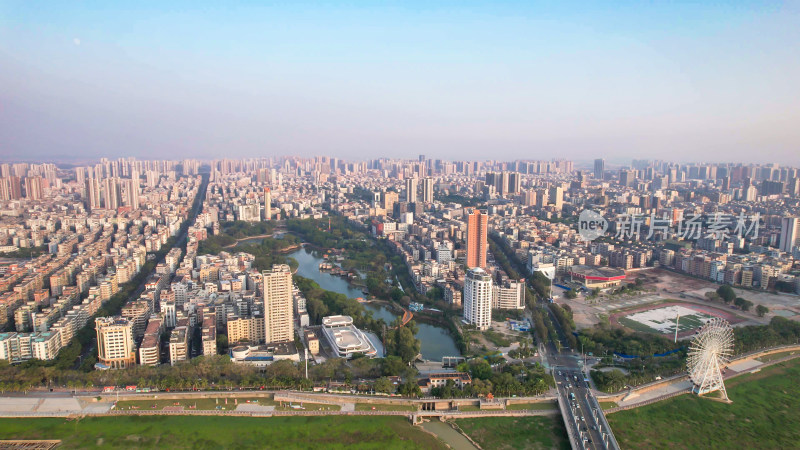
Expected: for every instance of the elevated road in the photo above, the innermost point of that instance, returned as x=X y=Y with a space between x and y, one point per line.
x=586 y=424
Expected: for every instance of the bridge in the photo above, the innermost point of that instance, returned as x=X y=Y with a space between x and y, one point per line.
x=587 y=427
x=407 y=316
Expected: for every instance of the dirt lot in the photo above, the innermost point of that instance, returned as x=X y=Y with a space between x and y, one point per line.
x=666 y=281
x=664 y=285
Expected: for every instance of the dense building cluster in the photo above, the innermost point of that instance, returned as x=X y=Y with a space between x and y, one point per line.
x=86 y=232
x=78 y=235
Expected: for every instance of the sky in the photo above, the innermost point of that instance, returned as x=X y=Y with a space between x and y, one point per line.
x=683 y=81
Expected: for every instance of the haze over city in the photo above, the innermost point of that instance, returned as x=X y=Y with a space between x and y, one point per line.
x=419 y=225
x=691 y=81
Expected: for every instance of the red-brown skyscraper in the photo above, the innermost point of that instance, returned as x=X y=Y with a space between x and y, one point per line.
x=477 y=224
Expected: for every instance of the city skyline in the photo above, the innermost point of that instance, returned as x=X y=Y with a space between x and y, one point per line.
x=514 y=81
x=432 y=225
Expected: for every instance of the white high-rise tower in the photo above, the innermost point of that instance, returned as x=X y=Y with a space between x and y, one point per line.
x=477 y=298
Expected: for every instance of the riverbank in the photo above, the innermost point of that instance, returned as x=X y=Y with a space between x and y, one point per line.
x=436 y=340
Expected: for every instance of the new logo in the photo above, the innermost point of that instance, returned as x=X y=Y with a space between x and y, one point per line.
x=591 y=225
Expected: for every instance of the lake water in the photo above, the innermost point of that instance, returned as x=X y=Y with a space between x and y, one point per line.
x=435 y=341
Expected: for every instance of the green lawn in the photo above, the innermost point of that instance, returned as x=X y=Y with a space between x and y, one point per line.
x=763 y=415
x=381 y=407
x=533 y=432
x=205 y=432
x=538 y=406
x=469 y=408
x=636 y=326
x=608 y=405
x=774 y=356
x=191 y=403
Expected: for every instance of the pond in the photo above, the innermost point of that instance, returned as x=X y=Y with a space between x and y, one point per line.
x=435 y=341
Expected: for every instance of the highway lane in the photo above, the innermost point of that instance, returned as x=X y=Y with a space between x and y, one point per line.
x=585 y=417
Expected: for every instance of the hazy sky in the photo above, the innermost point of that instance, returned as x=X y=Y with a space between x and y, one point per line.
x=691 y=81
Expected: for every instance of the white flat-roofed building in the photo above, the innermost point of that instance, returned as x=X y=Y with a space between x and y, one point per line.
x=179 y=345
x=345 y=339
x=510 y=295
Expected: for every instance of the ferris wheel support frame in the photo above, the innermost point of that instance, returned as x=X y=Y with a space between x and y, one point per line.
x=709 y=353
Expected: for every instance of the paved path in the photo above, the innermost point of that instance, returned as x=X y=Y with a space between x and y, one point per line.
x=255 y=408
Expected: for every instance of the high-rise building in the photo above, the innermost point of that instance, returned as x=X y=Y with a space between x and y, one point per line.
x=790 y=233
x=477 y=225
x=477 y=298
x=278 y=305
x=599 y=168
x=626 y=177
x=10 y=188
x=93 y=193
x=267 y=204
x=411 y=190
x=111 y=193
x=427 y=190
x=130 y=192
x=556 y=196
x=115 y=347
x=34 y=188
x=514 y=183
x=502 y=188
x=388 y=199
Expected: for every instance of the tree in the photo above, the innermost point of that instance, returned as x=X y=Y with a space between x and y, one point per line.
x=222 y=342
x=570 y=294
x=400 y=341
x=481 y=387
x=384 y=385
x=745 y=305
x=410 y=389
x=393 y=366
x=479 y=368
x=727 y=293
x=761 y=310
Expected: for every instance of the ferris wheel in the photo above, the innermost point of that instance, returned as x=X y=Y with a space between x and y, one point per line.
x=709 y=353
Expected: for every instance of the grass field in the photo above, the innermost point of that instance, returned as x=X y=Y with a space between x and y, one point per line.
x=201 y=404
x=379 y=407
x=533 y=432
x=469 y=408
x=193 y=403
x=608 y=405
x=662 y=320
x=763 y=415
x=636 y=326
x=205 y=432
x=774 y=356
x=540 y=406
